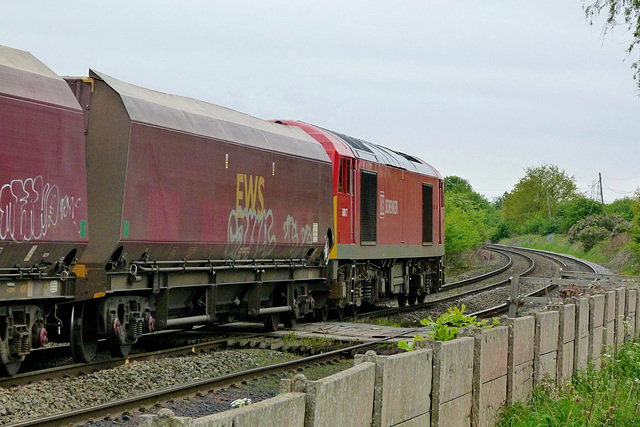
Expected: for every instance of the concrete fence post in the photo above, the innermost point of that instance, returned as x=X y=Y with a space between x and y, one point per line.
x=545 y=361
x=566 y=341
x=630 y=315
x=596 y=330
x=610 y=321
x=520 y=361
x=637 y=326
x=402 y=388
x=342 y=399
x=581 y=352
x=490 y=356
x=452 y=382
x=620 y=317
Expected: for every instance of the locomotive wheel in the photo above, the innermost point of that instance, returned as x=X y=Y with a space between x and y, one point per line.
x=271 y=322
x=84 y=325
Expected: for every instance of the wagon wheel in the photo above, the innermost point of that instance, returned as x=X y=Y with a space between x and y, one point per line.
x=9 y=366
x=324 y=312
x=412 y=298
x=289 y=320
x=340 y=312
x=84 y=340
x=271 y=322
x=402 y=300
x=117 y=343
x=119 y=350
x=10 y=369
x=354 y=309
x=421 y=297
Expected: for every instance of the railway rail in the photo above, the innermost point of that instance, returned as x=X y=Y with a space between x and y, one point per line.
x=200 y=386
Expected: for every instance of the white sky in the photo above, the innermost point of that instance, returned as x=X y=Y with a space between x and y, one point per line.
x=481 y=90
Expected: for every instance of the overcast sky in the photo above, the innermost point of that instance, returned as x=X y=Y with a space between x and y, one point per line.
x=481 y=90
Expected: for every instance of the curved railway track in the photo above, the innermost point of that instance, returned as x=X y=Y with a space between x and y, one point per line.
x=565 y=262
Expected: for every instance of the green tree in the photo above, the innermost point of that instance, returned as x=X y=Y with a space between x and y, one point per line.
x=571 y=211
x=455 y=184
x=622 y=207
x=635 y=229
x=469 y=218
x=618 y=13
x=463 y=227
x=537 y=195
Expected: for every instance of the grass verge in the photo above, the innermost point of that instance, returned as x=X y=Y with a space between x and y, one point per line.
x=609 y=397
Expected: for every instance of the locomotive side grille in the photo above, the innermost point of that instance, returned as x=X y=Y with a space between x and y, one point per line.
x=368 y=206
x=427 y=213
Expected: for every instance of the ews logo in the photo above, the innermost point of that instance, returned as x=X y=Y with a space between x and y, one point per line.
x=249 y=193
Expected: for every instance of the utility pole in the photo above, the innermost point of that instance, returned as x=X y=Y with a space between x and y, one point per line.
x=600 y=185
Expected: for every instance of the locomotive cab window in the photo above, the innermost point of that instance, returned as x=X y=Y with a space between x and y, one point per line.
x=344 y=179
x=427 y=214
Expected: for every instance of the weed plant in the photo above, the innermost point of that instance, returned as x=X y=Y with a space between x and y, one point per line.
x=609 y=397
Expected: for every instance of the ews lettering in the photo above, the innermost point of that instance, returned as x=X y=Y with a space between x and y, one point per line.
x=249 y=190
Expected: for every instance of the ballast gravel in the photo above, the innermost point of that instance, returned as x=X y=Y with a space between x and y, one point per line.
x=44 y=398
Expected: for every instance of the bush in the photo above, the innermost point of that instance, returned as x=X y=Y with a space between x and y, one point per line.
x=596 y=228
x=503 y=231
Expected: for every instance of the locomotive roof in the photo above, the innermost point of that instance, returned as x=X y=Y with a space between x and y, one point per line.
x=377 y=153
x=209 y=120
x=25 y=77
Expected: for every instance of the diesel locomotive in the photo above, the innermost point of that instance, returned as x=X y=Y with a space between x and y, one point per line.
x=125 y=211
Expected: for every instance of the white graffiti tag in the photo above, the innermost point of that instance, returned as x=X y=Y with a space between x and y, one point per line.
x=248 y=227
x=30 y=208
x=304 y=236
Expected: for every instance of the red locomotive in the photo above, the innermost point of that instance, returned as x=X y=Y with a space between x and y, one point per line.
x=388 y=222
x=190 y=213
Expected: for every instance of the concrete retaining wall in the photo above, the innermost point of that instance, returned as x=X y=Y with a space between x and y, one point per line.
x=464 y=382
